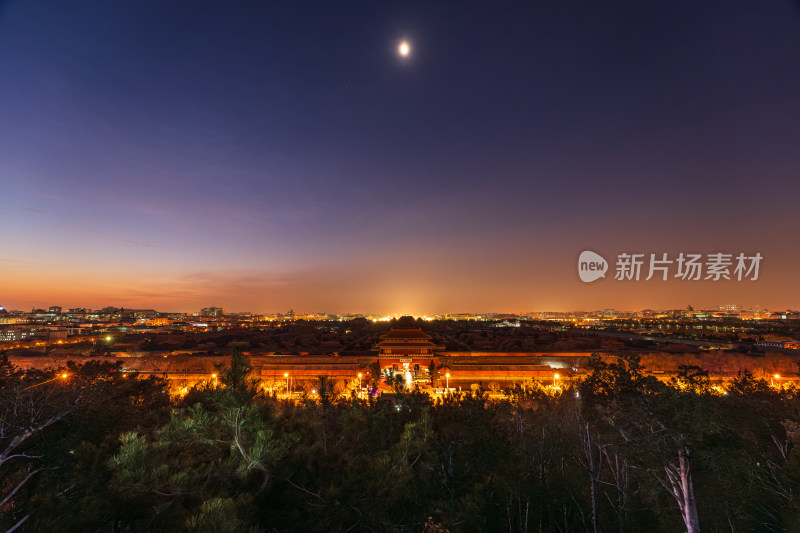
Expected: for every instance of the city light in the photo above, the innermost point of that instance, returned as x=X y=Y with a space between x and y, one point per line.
x=63 y=375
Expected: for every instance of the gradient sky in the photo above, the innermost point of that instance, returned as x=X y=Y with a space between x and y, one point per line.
x=262 y=156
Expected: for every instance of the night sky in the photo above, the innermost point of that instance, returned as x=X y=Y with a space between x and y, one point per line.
x=262 y=156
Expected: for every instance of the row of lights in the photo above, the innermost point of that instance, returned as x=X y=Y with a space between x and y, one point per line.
x=556 y=377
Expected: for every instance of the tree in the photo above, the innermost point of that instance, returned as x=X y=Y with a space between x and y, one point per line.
x=691 y=378
x=237 y=378
x=54 y=429
x=27 y=409
x=659 y=428
x=198 y=453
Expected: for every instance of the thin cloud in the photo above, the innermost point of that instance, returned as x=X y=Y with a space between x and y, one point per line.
x=32 y=210
x=144 y=244
x=98 y=233
x=113 y=237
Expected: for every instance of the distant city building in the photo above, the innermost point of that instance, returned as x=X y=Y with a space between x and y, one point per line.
x=461 y=316
x=57 y=334
x=55 y=309
x=143 y=313
x=312 y=316
x=13 y=334
x=783 y=344
x=214 y=312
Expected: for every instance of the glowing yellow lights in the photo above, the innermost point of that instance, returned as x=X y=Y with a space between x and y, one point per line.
x=214 y=376
x=108 y=339
x=777 y=376
x=64 y=375
x=359 y=375
x=286 y=374
x=404 y=49
x=556 y=376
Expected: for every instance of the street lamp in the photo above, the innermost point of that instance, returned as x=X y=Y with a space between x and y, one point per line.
x=555 y=377
x=286 y=375
x=359 y=384
x=776 y=377
x=447 y=376
x=60 y=376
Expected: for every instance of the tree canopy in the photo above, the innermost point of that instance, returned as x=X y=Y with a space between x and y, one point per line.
x=620 y=451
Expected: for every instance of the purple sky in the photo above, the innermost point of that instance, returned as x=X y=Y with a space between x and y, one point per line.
x=261 y=156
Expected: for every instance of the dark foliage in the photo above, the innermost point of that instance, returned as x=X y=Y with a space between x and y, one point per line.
x=603 y=456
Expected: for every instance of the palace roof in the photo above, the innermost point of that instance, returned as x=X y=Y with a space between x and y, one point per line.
x=406 y=334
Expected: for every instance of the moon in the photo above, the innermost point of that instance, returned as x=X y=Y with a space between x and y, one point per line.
x=404 y=49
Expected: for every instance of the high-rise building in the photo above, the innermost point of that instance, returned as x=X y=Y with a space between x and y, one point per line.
x=214 y=312
x=55 y=309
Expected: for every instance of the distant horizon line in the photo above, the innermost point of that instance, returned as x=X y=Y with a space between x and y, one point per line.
x=717 y=307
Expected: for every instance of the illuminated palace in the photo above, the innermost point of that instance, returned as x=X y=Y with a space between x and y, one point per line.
x=401 y=348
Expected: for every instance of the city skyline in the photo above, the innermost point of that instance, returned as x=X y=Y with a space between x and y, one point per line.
x=486 y=313
x=269 y=157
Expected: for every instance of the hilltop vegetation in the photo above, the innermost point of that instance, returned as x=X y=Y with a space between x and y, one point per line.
x=618 y=452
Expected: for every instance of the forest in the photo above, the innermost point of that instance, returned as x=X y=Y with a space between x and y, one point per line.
x=89 y=448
